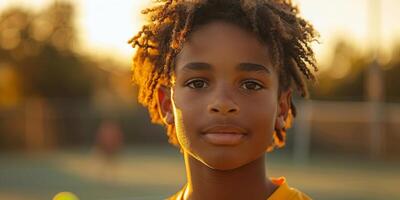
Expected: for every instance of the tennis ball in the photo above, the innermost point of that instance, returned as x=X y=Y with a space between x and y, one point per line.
x=65 y=196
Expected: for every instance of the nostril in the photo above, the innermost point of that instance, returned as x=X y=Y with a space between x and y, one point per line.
x=223 y=109
x=214 y=110
x=232 y=110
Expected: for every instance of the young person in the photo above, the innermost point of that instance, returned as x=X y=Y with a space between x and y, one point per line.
x=219 y=75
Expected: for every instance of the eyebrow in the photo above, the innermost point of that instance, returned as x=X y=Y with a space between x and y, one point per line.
x=252 y=67
x=249 y=67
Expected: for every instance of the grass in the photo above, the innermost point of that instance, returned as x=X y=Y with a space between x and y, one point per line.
x=149 y=172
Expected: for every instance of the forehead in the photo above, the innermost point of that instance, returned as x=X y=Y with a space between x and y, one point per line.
x=220 y=41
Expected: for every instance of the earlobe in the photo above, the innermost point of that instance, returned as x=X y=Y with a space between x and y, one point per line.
x=169 y=118
x=164 y=103
x=280 y=123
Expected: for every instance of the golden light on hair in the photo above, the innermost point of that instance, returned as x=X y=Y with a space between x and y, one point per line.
x=276 y=23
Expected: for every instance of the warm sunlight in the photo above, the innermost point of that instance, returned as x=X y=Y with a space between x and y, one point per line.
x=81 y=119
x=104 y=26
x=350 y=19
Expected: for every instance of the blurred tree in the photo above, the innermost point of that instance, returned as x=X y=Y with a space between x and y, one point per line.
x=343 y=79
x=40 y=49
x=345 y=74
x=47 y=89
x=392 y=74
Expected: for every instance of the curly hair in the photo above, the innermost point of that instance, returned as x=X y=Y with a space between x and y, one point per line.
x=170 y=22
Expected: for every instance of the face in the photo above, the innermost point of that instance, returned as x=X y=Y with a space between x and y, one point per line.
x=224 y=101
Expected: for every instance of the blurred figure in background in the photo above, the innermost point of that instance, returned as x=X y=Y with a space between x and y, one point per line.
x=108 y=144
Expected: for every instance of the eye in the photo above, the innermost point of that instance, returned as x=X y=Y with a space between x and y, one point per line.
x=251 y=85
x=197 y=83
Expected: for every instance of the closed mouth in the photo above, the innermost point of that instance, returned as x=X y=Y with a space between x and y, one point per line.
x=224 y=135
x=224 y=129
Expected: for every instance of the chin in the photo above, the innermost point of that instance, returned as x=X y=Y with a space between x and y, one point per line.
x=222 y=161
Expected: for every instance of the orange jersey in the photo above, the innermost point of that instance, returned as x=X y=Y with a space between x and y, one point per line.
x=283 y=192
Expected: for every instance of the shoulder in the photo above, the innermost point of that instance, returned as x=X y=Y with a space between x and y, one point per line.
x=284 y=192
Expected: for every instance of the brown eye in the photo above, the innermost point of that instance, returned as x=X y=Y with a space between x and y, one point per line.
x=251 y=85
x=197 y=84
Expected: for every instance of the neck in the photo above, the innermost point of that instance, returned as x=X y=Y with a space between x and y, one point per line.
x=246 y=182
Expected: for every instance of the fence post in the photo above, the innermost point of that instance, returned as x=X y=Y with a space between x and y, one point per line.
x=302 y=135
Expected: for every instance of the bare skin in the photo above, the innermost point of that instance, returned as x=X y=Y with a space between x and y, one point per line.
x=246 y=182
x=225 y=83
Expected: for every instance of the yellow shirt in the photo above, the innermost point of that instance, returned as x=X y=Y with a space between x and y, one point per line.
x=283 y=192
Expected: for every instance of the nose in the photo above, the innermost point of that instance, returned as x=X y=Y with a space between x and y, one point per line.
x=223 y=104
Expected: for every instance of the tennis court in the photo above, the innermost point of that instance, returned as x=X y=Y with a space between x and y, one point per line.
x=151 y=172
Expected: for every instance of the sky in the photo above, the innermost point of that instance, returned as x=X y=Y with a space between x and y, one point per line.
x=105 y=26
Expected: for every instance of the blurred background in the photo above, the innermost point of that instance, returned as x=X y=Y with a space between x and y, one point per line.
x=69 y=119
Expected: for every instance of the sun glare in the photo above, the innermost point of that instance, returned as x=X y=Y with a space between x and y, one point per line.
x=104 y=26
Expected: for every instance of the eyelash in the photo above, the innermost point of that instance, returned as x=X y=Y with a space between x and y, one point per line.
x=191 y=83
x=259 y=85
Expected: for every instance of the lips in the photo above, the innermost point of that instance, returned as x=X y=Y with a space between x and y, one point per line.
x=224 y=129
x=224 y=134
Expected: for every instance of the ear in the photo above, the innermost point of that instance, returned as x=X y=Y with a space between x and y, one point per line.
x=164 y=102
x=284 y=103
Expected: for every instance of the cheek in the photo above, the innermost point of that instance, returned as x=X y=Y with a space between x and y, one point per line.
x=180 y=128
x=187 y=110
x=261 y=114
x=261 y=124
x=262 y=107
